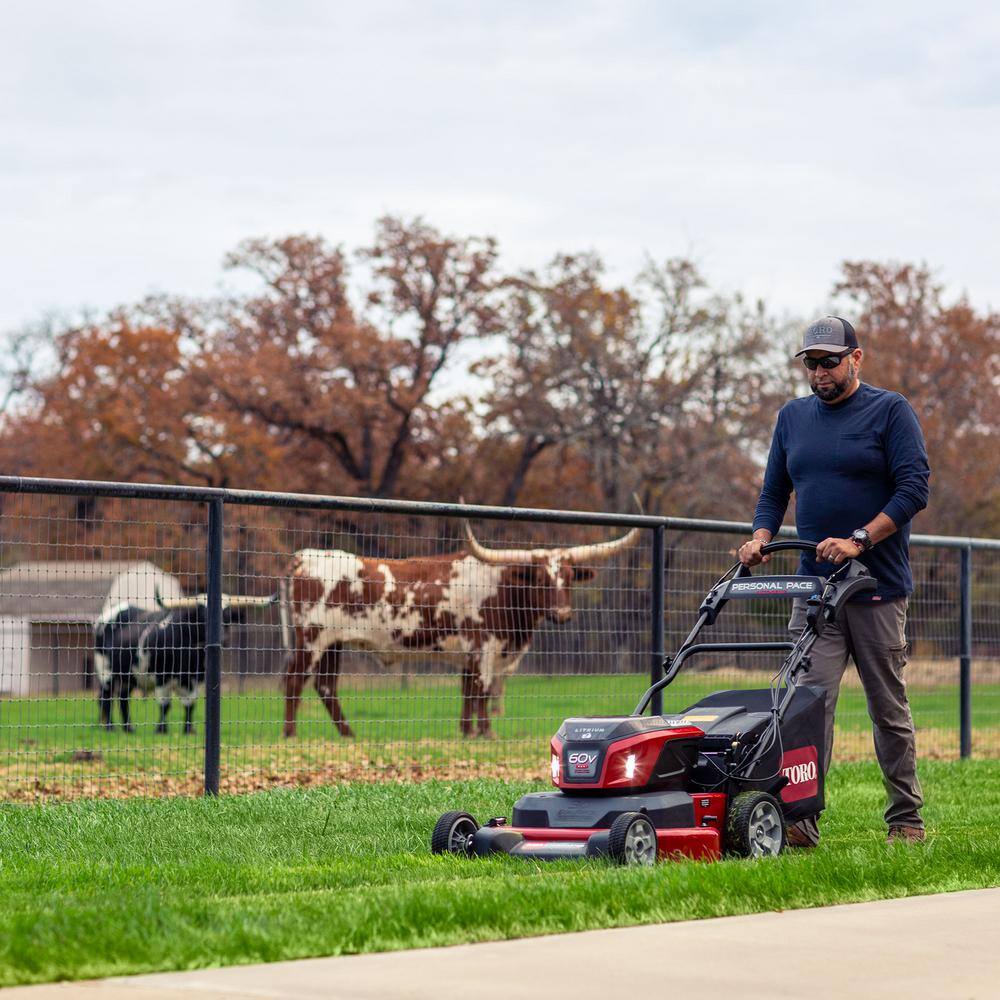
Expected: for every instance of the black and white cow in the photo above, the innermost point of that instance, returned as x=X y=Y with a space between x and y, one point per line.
x=117 y=635
x=162 y=651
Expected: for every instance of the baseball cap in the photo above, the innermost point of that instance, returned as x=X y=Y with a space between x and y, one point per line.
x=831 y=333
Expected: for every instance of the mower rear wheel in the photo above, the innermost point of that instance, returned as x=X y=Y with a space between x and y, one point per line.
x=632 y=840
x=453 y=834
x=755 y=826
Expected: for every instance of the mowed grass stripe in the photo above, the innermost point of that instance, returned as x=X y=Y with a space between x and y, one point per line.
x=102 y=888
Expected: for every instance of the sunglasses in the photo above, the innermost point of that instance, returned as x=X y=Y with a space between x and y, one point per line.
x=827 y=361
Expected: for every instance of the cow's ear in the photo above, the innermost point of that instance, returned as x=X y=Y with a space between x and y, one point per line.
x=581 y=574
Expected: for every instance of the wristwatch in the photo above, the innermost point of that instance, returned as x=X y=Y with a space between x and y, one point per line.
x=862 y=539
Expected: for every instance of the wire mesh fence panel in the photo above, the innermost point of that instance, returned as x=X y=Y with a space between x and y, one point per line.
x=932 y=670
x=986 y=653
x=400 y=645
x=405 y=646
x=92 y=700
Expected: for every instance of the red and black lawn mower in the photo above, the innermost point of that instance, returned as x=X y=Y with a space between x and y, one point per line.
x=724 y=775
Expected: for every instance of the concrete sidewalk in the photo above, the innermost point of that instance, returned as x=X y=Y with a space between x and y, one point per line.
x=937 y=947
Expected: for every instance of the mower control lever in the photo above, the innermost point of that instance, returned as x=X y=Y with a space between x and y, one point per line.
x=841 y=591
x=813 y=607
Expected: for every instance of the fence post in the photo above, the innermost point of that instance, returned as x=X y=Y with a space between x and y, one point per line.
x=657 y=640
x=213 y=649
x=965 y=654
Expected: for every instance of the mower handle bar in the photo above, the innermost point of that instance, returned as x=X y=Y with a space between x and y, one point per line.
x=765 y=550
x=770 y=547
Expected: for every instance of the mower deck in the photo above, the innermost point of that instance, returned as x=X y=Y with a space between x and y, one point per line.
x=548 y=844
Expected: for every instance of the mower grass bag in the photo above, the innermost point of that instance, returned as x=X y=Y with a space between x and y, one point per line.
x=729 y=715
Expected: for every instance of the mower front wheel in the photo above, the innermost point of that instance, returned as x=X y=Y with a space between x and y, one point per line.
x=755 y=826
x=453 y=834
x=632 y=840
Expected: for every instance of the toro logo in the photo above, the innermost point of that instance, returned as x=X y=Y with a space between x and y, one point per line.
x=818 y=331
x=801 y=768
x=582 y=762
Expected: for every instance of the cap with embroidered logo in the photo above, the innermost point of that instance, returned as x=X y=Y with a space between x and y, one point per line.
x=831 y=333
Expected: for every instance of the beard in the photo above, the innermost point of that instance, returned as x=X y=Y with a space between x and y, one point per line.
x=837 y=388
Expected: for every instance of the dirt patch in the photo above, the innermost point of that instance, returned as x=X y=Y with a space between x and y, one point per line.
x=929 y=674
x=152 y=785
x=925 y=675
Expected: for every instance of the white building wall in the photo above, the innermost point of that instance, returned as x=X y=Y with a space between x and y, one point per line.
x=15 y=656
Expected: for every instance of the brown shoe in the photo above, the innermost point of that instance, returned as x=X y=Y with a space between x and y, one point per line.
x=794 y=837
x=911 y=834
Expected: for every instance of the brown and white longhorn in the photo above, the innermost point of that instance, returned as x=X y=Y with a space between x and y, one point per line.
x=485 y=603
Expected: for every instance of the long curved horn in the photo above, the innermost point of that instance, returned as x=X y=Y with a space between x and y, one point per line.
x=242 y=601
x=234 y=601
x=179 y=603
x=495 y=556
x=602 y=551
x=598 y=552
x=499 y=555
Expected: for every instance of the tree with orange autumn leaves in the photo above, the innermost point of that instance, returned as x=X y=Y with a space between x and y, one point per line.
x=417 y=368
x=945 y=358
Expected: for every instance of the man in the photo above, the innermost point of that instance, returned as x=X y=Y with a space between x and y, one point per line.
x=855 y=457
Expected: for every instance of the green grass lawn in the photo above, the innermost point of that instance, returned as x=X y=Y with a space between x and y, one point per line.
x=96 y=888
x=427 y=706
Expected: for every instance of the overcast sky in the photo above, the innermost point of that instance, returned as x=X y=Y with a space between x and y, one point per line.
x=139 y=142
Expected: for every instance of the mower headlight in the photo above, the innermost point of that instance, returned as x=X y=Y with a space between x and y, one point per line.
x=555 y=768
x=632 y=764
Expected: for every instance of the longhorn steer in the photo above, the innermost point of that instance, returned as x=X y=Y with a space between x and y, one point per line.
x=163 y=650
x=485 y=603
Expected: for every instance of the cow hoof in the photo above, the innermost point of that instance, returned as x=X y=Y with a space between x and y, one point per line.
x=107 y=725
x=127 y=727
x=188 y=730
x=160 y=729
x=289 y=733
x=347 y=733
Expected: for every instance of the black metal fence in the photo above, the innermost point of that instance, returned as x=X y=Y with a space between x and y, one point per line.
x=445 y=654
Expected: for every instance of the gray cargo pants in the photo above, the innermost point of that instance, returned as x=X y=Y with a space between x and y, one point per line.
x=874 y=636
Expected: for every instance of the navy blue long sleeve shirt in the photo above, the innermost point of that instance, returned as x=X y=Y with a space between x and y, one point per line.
x=847 y=462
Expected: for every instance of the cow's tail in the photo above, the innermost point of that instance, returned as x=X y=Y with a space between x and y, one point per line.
x=498 y=681
x=496 y=694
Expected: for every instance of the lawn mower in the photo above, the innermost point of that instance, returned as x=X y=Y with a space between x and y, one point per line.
x=725 y=775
